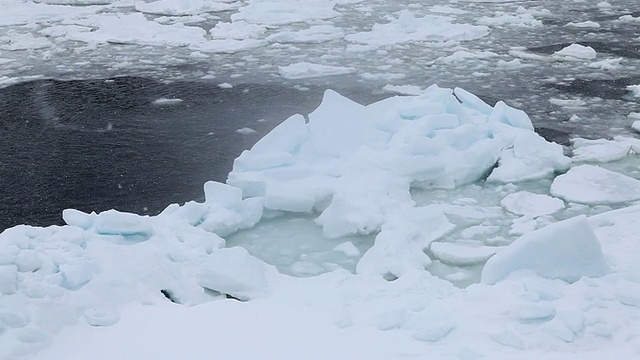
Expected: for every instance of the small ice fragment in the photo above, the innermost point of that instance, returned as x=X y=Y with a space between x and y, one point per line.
x=576 y=52
x=636 y=126
x=166 y=101
x=225 y=86
x=246 y=131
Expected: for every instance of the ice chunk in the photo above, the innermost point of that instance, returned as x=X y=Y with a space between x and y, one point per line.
x=246 y=131
x=600 y=150
x=462 y=254
x=576 y=52
x=589 y=184
x=400 y=246
x=222 y=194
x=530 y=204
x=78 y=218
x=166 y=101
x=527 y=158
x=408 y=28
x=234 y=272
x=566 y=250
x=269 y=12
x=112 y=222
x=183 y=7
x=636 y=126
x=305 y=69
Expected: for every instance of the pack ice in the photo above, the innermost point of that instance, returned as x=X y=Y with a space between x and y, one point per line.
x=117 y=285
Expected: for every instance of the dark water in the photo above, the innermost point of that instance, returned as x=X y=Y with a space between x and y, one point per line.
x=94 y=145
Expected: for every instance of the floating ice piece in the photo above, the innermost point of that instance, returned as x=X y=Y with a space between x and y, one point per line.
x=313 y=34
x=268 y=12
x=576 y=52
x=404 y=89
x=234 y=272
x=636 y=126
x=618 y=231
x=462 y=254
x=524 y=20
x=600 y=150
x=15 y=41
x=238 y=30
x=166 y=101
x=607 y=64
x=75 y=2
x=135 y=29
x=530 y=204
x=183 y=7
x=567 y=250
x=584 y=24
x=635 y=90
x=589 y=184
x=347 y=248
x=305 y=69
x=408 y=28
x=246 y=131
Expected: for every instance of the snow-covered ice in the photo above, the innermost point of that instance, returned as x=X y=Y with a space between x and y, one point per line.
x=576 y=52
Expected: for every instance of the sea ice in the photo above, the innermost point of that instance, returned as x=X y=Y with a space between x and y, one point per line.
x=600 y=150
x=530 y=204
x=183 y=7
x=268 y=12
x=566 y=250
x=576 y=52
x=462 y=254
x=233 y=271
x=302 y=70
x=408 y=28
x=589 y=184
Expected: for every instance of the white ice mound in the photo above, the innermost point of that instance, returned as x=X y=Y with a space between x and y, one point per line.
x=589 y=184
x=355 y=164
x=567 y=250
x=233 y=271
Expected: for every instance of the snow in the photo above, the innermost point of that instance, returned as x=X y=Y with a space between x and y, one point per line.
x=589 y=184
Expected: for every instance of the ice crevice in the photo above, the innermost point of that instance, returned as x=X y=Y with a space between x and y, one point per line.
x=355 y=170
